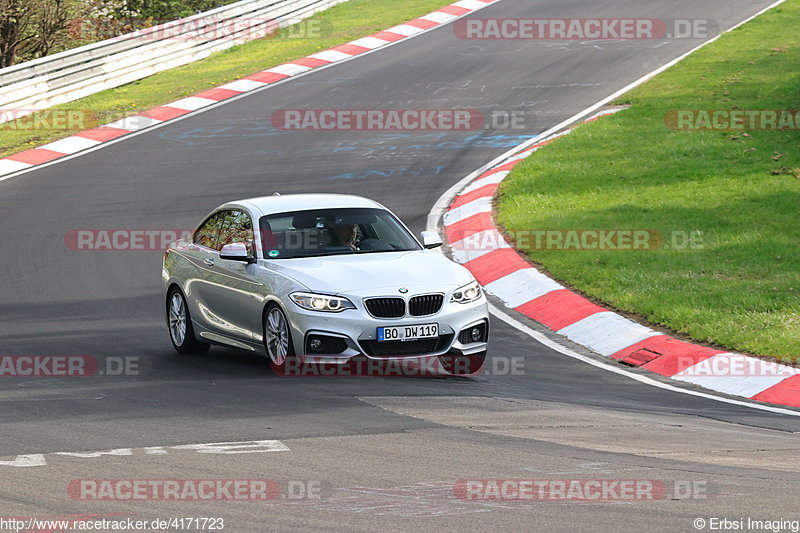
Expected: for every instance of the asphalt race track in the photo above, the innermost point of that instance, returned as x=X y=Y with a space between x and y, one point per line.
x=385 y=452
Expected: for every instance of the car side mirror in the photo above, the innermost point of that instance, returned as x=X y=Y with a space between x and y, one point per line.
x=430 y=239
x=236 y=251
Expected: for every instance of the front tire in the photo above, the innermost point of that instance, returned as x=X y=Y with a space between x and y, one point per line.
x=278 y=338
x=181 y=332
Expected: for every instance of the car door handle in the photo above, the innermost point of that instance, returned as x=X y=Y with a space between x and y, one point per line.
x=208 y=262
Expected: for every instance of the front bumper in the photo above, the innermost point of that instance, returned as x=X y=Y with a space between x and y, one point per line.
x=357 y=330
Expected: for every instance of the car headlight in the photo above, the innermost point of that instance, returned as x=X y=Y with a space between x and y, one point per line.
x=468 y=293
x=321 y=302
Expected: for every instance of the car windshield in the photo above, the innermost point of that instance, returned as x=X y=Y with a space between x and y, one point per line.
x=321 y=232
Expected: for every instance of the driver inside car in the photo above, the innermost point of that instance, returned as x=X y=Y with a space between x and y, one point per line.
x=346 y=235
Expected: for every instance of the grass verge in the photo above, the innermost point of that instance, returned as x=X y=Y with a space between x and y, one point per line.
x=738 y=286
x=339 y=24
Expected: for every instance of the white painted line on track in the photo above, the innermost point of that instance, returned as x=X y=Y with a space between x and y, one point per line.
x=217 y=448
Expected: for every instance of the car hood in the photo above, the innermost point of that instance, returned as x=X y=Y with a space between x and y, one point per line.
x=376 y=273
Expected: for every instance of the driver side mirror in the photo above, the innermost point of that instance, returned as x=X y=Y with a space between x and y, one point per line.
x=430 y=239
x=236 y=251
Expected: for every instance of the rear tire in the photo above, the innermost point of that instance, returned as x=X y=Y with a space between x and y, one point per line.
x=462 y=365
x=181 y=332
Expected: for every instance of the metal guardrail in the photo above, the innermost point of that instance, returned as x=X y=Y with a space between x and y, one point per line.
x=89 y=69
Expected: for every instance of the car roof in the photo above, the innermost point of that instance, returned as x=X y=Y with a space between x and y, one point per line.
x=300 y=202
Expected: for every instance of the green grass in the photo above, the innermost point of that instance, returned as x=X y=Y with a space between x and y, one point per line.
x=339 y=24
x=741 y=288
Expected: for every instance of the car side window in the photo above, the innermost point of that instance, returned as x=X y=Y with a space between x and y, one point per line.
x=236 y=227
x=208 y=233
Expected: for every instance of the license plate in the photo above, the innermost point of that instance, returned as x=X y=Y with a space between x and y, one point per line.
x=408 y=333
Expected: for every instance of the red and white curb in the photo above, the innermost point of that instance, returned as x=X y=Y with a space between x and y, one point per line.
x=477 y=244
x=96 y=136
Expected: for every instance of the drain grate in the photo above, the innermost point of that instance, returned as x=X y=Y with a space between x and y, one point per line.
x=640 y=357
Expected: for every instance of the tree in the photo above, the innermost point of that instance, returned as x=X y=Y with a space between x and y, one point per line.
x=16 y=21
x=168 y=9
x=53 y=18
x=35 y=28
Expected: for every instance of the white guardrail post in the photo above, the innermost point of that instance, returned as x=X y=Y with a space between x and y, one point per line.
x=79 y=72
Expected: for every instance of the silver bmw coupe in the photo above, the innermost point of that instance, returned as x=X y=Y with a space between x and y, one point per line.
x=321 y=278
